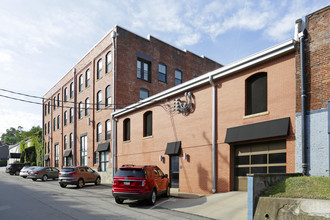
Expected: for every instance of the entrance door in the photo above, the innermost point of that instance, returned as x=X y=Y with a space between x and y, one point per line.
x=174 y=171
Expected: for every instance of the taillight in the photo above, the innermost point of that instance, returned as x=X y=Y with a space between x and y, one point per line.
x=10 y=168
x=143 y=183
x=73 y=173
x=115 y=183
x=59 y=173
x=36 y=172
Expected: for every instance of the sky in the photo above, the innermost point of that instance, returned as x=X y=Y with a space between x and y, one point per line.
x=41 y=40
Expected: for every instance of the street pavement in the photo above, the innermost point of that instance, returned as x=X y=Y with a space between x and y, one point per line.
x=25 y=199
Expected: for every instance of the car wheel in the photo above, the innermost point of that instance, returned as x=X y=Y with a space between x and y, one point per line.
x=153 y=197
x=98 y=181
x=44 y=178
x=62 y=185
x=81 y=183
x=54 y=178
x=24 y=177
x=11 y=173
x=34 y=179
x=168 y=191
x=17 y=173
x=119 y=201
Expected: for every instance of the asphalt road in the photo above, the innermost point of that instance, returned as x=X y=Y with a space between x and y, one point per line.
x=25 y=199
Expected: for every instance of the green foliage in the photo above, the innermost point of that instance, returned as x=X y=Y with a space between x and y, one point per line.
x=301 y=187
x=3 y=163
x=12 y=135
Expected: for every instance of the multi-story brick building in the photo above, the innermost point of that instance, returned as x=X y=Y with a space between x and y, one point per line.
x=121 y=69
x=313 y=151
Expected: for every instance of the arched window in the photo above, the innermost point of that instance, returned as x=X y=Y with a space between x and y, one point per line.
x=87 y=78
x=65 y=118
x=108 y=61
x=87 y=106
x=99 y=69
x=147 y=124
x=65 y=142
x=71 y=90
x=80 y=110
x=107 y=130
x=99 y=100
x=108 y=96
x=81 y=82
x=127 y=129
x=99 y=132
x=65 y=94
x=256 y=93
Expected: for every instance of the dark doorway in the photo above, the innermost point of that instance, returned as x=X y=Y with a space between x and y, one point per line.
x=174 y=171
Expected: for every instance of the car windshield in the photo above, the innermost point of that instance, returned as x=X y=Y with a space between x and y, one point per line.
x=127 y=172
x=67 y=170
x=39 y=168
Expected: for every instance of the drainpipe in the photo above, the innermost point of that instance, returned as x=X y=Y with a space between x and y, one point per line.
x=301 y=36
x=74 y=118
x=214 y=188
x=43 y=131
x=114 y=122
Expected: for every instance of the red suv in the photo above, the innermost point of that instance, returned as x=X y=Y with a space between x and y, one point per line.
x=140 y=183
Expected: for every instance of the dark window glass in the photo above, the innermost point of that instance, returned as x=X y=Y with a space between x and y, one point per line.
x=277 y=158
x=58 y=122
x=48 y=127
x=279 y=169
x=108 y=61
x=178 y=77
x=144 y=70
x=242 y=171
x=242 y=160
x=130 y=173
x=127 y=125
x=45 y=109
x=65 y=118
x=71 y=90
x=147 y=124
x=162 y=73
x=54 y=124
x=80 y=110
x=45 y=129
x=144 y=94
x=108 y=96
x=99 y=132
x=48 y=107
x=99 y=101
x=65 y=95
x=71 y=115
x=81 y=83
x=65 y=142
x=258 y=169
x=259 y=159
x=99 y=69
x=58 y=100
x=71 y=140
x=54 y=103
x=87 y=78
x=96 y=157
x=256 y=93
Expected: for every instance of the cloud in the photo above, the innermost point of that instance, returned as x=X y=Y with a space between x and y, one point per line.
x=6 y=60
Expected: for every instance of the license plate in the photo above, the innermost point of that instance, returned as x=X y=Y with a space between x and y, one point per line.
x=126 y=183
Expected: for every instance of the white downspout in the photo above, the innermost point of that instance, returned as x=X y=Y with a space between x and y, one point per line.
x=214 y=173
x=114 y=122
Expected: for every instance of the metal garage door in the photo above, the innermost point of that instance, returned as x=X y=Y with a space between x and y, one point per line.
x=265 y=157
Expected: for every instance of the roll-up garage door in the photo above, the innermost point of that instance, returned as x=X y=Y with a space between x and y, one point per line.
x=264 y=157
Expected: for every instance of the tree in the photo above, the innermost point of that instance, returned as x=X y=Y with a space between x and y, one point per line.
x=12 y=135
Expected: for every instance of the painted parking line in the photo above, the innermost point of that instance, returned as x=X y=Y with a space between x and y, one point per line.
x=168 y=200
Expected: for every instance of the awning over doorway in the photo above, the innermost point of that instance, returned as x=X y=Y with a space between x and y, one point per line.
x=14 y=155
x=103 y=147
x=67 y=153
x=173 y=148
x=46 y=157
x=267 y=129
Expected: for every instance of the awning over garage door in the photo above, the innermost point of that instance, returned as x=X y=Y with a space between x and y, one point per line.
x=267 y=129
x=173 y=148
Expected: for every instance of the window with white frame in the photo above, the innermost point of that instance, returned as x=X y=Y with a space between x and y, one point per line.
x=71 y=90
x=65 y=98
x=81 y=82
x=87 y=106
x=83 y=150
x=80 y=115
x=56 y=155
x=65 y=118
x=65 y=142
x=144 y=70
x=104 y=160
x=99 y=100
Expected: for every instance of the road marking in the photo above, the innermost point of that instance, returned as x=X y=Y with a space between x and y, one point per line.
x=168 y=200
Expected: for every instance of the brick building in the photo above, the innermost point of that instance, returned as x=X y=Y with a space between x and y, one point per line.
x=316 y=142
x=121 y=69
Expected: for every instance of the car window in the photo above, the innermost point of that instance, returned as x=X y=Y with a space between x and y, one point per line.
x=160 y=172
x=156 y=173
x=90 y=170
x=130 y=173
x=67 y=170
x=147 y=173
x=82 y=169
x=48 y=169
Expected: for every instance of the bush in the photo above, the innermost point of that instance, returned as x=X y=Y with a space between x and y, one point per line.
x=3 y=163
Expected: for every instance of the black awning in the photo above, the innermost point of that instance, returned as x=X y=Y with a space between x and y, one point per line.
x=46 y=157
x=14 y=155
x=173 y=148
x=103 y=147
x=267 y=129
x=67 y=153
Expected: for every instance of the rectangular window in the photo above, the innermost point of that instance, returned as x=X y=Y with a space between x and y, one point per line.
x=71 y=90
x=87 y=106
x=144 y=70
x=96 y=157
x=49 y=107
x=147 y=117
x=127 y=128
x=65 y=118
x=56 y=155
x=54 y=103
x=65 y=94
x=108 y=96
x=54 y=124
x=99 y=132
x=58 y=100
x=71 y=140
x=178 y=77
x=81 y=83
x=65 y=142
x=80 y=110
x=107 y=130
x=48 y=127
x=99 y=101
x=45 y=129
x=71 y=115
x=104 y=160
x=144 y=93
x=83 y=150
x=162 y=73
x=45 y=109
x=58 y=122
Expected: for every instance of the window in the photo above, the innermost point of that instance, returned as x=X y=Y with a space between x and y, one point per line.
x=49 y=107
x=107 y=130
x=83 y=150
x=99 y=132
x=56 y=155
x=162 y=73
x=54 y=124
x=104 y=160
x=87 y=78
x=58 y=122
x=71 y=115
x=45 y=109
x=65 y=142
x=71 y=140
x=147 y=124
x=99 y=69
x=144 y=93
x=144 y=70
x=65 y=118
x=256 y=93
x=65 y=98
x=178 y=77
x=48 y=127
x=108 y=61
x=99 y=100
x=81 y=82
x=71 y=90
x=54 y=103
x=87 y=106
x=45 y=129
x=127 y=125
x=108 y=96
x=96 y=157
x=48 y=147
x=80 y=110
x=58 y=100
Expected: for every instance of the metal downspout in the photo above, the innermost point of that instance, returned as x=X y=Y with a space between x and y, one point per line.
x=214 y=186
x=303 y=105
x=43 y=131
x=114 y=122
x=74 y=118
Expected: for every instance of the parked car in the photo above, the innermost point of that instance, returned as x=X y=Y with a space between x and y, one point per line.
x=140 y=183
x=43 y=173
x=14 y=168
x=24 y=171
x=78 y=176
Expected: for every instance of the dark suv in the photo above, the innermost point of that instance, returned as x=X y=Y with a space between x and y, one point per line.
x=14 y=168
x=140 y=183
x=78 y=176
